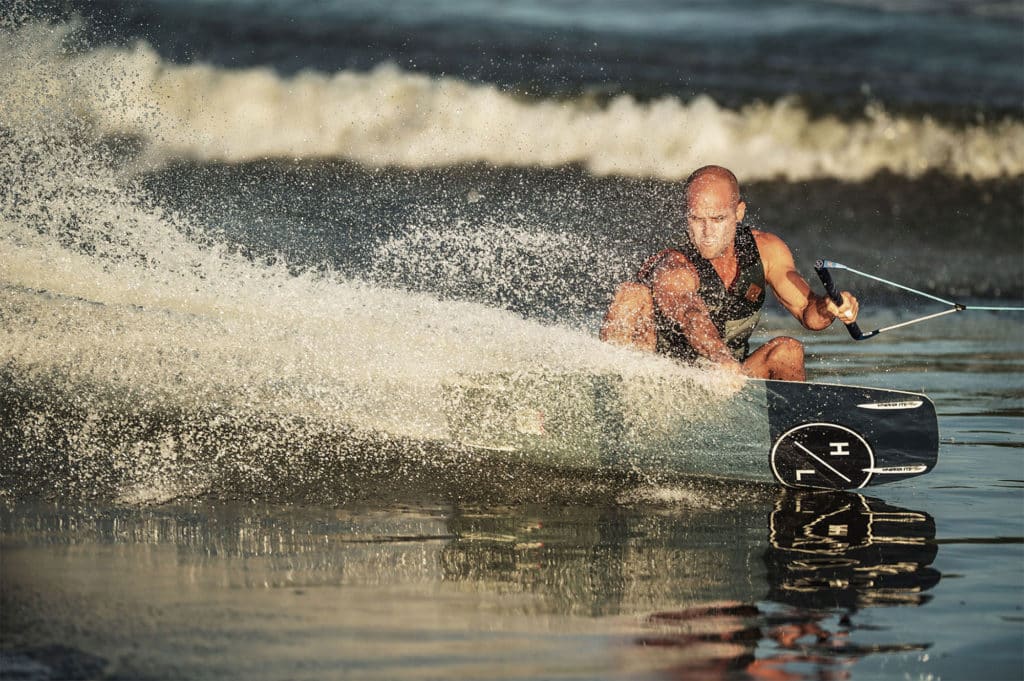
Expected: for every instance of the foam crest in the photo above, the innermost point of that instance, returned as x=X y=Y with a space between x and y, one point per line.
x=391 y=117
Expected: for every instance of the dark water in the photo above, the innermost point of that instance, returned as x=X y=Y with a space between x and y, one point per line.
x=246 y=245
x=951 y=57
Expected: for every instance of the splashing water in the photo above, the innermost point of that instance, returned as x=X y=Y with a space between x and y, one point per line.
x=142 y=357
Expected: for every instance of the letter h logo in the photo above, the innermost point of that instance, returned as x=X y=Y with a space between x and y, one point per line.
x=839 y=448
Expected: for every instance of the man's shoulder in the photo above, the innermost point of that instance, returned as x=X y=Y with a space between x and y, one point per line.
x=770 y=245
x=672 y=257
x=666 y=258
x=763 y=237
x=666 y=265
x=776 y=257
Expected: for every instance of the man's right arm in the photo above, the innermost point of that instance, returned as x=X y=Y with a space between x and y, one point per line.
x=676 y=293
x=813 y=311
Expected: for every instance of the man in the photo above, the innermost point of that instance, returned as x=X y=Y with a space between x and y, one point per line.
x=703 y=298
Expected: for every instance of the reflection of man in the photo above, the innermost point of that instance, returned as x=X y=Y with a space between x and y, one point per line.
x=704 y=297
x=726 y=639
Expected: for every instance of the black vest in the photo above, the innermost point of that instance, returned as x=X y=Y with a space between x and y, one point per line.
x=734 y=311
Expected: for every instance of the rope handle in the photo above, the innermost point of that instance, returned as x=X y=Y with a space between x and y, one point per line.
x=821 y=267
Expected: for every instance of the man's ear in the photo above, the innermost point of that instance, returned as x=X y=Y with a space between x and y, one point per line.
x=741 y=210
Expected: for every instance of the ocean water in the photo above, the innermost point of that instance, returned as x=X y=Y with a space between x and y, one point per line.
x=245 y=246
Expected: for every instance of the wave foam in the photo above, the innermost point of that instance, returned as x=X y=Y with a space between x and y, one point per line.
x=391 y=117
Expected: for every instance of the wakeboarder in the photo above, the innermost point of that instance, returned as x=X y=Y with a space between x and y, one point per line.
x=703 y=297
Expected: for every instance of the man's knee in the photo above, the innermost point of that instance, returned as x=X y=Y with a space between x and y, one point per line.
x=781 y=358
x=786 y=356
x=785 y=347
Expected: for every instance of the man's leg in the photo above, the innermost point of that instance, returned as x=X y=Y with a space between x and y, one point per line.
x=630 y=318
x=780 y=358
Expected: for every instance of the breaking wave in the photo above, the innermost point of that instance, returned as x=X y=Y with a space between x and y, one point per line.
x=391 y=117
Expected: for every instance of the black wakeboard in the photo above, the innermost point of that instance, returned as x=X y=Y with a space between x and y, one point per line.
x=797 y=434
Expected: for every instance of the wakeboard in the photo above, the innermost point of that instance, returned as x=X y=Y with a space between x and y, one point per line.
x=798 y=434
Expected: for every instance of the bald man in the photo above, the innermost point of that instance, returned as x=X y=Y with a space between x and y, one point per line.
x=703 y=298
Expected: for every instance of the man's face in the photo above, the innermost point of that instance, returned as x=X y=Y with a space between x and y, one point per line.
x=712 y=212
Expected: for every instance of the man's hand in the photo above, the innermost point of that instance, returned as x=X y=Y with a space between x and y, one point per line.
x=734 y=375
x=847 y=312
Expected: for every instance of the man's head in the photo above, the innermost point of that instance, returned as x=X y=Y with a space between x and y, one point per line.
x=713 y=209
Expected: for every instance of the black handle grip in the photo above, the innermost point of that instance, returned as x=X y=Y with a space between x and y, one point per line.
x=833 y=293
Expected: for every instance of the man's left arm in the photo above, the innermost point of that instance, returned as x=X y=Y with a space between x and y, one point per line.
x=813 y=311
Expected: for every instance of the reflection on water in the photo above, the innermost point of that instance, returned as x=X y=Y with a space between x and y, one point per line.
x=849 y=551
x=828 y=555
x=709 y=585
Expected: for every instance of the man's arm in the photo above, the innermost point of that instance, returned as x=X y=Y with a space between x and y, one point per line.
x=675 y=287
x=814 y=312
